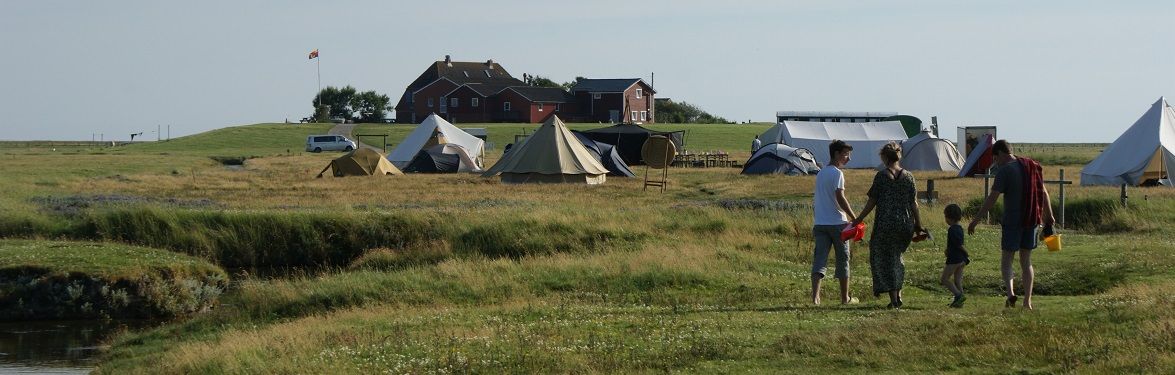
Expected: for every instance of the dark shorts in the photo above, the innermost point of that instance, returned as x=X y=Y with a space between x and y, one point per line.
x=957 y=257
x=1016 y=238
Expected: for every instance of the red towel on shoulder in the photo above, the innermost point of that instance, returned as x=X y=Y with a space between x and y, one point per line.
x=1033 y=192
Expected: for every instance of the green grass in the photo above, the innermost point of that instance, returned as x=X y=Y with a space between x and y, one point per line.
x=458 y=273
x=54 y=279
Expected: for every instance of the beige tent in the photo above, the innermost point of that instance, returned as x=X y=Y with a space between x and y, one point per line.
x=552 y=154
x=361 y=162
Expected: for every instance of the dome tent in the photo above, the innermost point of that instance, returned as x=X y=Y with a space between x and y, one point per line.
x=777 y=158
x=361 y=162
x=1144 y=152
x=551 y=155
x=925 y=152
x=442 y=158
x=607 y=156
x=433 y=131
x=628 y=139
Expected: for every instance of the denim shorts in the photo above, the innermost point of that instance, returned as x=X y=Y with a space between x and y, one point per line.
x=1016 y=238
x=828 y=238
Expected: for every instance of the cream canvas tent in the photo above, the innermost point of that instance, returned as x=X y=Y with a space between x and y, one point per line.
x=436 y=131
x=1146 y=151
x=551 y=154
x=865 y=137
x=925 y=152
x=361 y=162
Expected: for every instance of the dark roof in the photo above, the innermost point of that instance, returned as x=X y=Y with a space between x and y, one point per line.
x=487 y=89
x=606 y=85
x=543 y=94
x=465 y=72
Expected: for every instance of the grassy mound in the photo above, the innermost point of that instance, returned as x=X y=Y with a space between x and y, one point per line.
x=58 y=280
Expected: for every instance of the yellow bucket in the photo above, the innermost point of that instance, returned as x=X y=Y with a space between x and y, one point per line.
x=1053 y=242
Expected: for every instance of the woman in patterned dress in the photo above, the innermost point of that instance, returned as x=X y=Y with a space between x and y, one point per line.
x=893 y=195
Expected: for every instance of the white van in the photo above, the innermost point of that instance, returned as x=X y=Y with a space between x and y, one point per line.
x=320 y=143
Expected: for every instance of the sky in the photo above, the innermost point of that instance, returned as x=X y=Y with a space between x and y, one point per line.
x=1042 y=71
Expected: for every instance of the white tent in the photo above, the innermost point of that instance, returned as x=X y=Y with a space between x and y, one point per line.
x=551 y=154
x=432 y=131
x=1145 y=151
x=865 y=137
x=925 y=152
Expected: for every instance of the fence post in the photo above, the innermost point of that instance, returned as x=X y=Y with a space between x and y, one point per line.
x=1123 y=196
x=1062 y=198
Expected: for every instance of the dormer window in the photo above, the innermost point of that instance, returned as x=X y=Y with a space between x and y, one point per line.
x=487 y=73
x=466 y=73
x=638 y=93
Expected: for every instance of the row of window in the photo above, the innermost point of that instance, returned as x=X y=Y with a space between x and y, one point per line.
x=454 y=102
x=643 y=116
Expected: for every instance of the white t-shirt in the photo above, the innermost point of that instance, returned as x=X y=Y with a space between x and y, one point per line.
x=827 y=212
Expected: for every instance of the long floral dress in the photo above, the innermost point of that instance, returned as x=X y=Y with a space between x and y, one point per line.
x=893 y=227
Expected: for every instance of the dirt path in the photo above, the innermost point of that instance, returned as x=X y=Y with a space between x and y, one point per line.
x=346 y=130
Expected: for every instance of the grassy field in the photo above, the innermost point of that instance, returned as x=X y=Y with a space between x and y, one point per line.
x=459 y=274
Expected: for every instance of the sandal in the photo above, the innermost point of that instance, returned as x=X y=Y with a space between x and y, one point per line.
x=1011 y=302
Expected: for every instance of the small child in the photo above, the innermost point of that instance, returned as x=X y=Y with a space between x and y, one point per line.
x=957 y=257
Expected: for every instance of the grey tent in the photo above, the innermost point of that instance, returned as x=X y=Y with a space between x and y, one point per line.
x=607 y=156
x=778 y=158
x=629 y=138
x=442 y=158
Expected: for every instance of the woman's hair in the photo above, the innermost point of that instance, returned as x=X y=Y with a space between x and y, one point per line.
x=953 y=212
x=891 y=153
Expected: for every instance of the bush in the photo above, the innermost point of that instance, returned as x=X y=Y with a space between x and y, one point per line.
x=517 y=239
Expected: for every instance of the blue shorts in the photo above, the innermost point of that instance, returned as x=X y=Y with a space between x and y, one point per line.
x=1016 y=238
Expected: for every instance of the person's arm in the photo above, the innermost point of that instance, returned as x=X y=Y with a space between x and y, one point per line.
x=843 y=202
x=865 y=211
x=917 y=215
x=1047 y=210
x=987 y=205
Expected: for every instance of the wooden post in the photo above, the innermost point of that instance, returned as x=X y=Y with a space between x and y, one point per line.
x=1062 y=189
x=1123 y=196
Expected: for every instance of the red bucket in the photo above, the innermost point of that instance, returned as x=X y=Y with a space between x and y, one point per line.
x=853 y=232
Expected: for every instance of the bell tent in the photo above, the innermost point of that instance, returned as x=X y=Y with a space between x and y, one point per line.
x=1143 y=154
x=865 y=137
x=776 y=158
x=607 y=156
x=628 y=139
x=925 y=152
x=442 y=158
x=551 y=155
x=361 y=162
x=433 y=131
x=980 y=159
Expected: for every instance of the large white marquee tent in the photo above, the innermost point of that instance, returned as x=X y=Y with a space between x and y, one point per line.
x=438 y=131
x=865 y=137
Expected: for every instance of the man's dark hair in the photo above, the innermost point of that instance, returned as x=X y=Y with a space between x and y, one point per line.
x=837 y=146
x=1002 y=146
x=953 y=212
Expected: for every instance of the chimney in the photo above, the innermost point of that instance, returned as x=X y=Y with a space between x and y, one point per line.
x=448 y=61
x=490 y=63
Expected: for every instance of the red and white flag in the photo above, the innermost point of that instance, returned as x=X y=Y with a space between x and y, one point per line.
x=313 y=54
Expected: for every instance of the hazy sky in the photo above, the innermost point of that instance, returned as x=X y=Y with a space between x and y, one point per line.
x=1044 y=71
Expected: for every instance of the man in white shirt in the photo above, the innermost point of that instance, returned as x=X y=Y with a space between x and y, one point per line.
x=756 y=144
x=832 y=211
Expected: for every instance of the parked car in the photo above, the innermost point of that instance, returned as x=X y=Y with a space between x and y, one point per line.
x=320 y=143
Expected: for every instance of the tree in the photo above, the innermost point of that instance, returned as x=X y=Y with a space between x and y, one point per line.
x=337 y=103
x=569 y=85
x=540 y=81
x=669 y=111
x=370 y=106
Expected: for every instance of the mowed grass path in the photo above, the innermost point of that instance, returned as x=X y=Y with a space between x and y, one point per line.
x=711 y=276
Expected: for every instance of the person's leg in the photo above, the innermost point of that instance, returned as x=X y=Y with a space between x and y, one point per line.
x=842 y=265
x=959 y=277
x=1006 y=273
x=819 y=261
x=948 y=271
x=1028 y=274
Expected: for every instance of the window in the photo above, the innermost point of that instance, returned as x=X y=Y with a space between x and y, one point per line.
x=466 y=73
x=558 y=106
x=633 y=115
x=540 y=107
x=505 y=106
x=453 y=102
x=487 y=73
x=638 y=93
x=596 y=95
x=473 y=102
x=644 y=115
x=430 y=102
